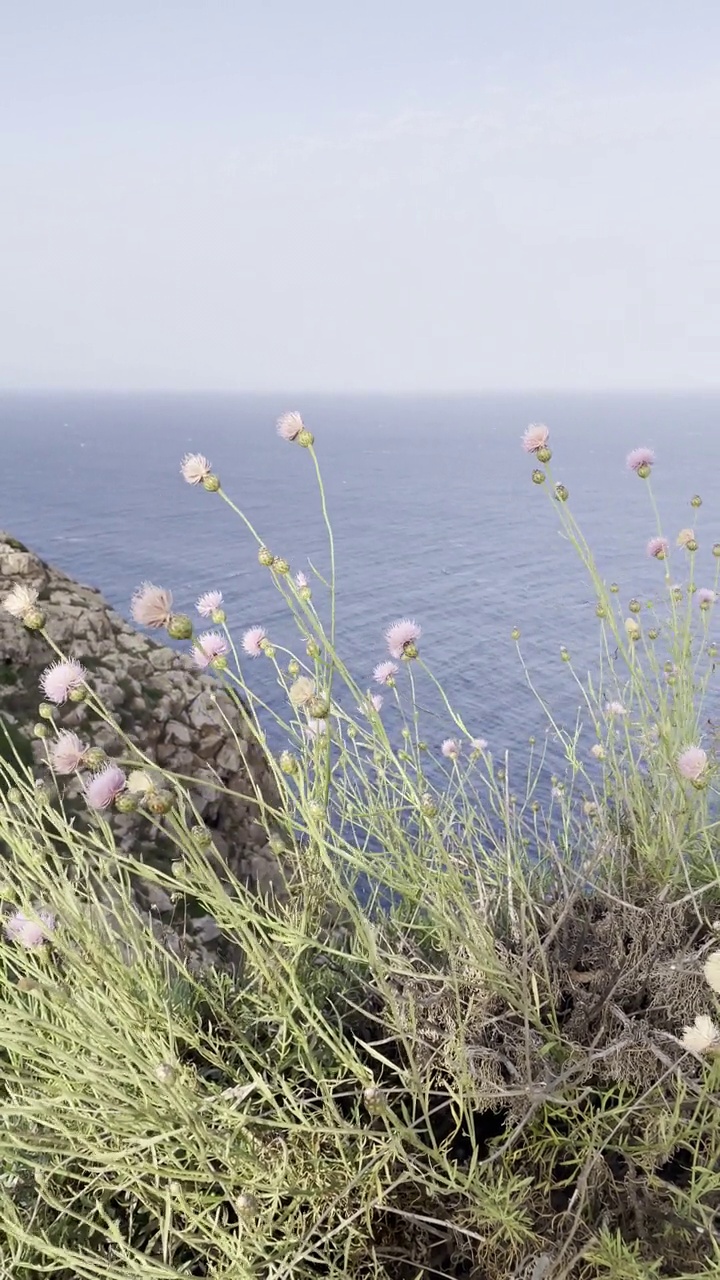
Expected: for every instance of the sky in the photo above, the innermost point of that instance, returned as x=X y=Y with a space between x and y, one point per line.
x=397 y=195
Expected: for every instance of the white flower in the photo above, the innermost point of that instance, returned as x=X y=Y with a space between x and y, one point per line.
x=18 y=601
x=701 y=1036
x=711 y=970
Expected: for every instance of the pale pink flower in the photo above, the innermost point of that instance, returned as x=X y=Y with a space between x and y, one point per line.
x=479 y=744
x=451 y=748
x=208 y=603
x=401 y=635
x=377 y=700
x=641 y=457
x=289 y=426
x=615 y=709
x=60 y=678
x=20 y=600
x=385 y=672
x=252 y=641
x=692 y=763
x=535 y=437
x=104 y=786
x=194 y=468
x=301 y=580
x=685 y=537
x=209 y=646
x=315 y=728
x=706 y=597
x=658 y=547
x=66 y=752
x=151 y=605
x=30 y=931
x=598 y=751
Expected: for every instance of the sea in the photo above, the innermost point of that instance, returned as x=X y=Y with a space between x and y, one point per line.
x=434 y=513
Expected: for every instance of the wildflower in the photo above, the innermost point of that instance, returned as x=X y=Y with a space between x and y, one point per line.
x=61 y=679
x=316 y=728
x=479 y=744
x=535 y=437
x=658 y=547
x=266 y=557
x=706 y=597
x=640 y=461
x=711 y=969
x=376 y=701
x=209 y=603
x=317 y=707
x=692 y=763
x=561 y=491
x=538 y=476
x=685 y=538
x=701 y=1036
x=598 y=751
x=252 y=641
x=195 y=468
x=385 y=673
x=20 y=600
x=402 y=638
x=632 y=629
x=451 y=748
x=208 y=647
x=151 y=605
x=30 y=931
x=301 y=691
x=289 y=426
x=303 y=586
x=104 y=786
x=615 y=709
x=66 y=752
x=139 y=782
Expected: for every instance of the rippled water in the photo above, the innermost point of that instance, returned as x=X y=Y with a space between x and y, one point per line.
x=432 y=505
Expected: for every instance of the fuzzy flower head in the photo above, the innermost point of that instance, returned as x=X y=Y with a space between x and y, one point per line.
x=711 y=969
x=104 y=786
x=18 y=601
x=252 y=641
x=479 y=744
x=301 y=581
x=598 y=751
x=402 y=638
x=289 y=426
x=451 y=748
x=615 y=709
x=385 y=673
x=195 y=468
x=701 y=1036
x=151 y=606
x=209 y=603
x=66 y=753
x=706 y=597
x=658 y=548
x=692 y=763
x=60 y=679
x=686 y=537
x=301 y=691
x=30 y=931
x=535 y=437
x=640 y=461
x=208 y=647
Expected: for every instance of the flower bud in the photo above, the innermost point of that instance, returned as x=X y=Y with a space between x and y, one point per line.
x=211 y=483
x=653 y=633
x=267 y=648
x=691 y=544
x=716 y=549
x=94 y=758
x=643 y=470
x=126 y=802
x=564 y=654
x=266 y=557
x=696 y=500
x=427 y=805
x=515 y=633
x=375 y=1099
x=305 y=438
x=288 y=762
x=410 y=651
x=544 y=454
x=219 y=616
x=246 y=1206
x=277 y=844
x=46 y=711
x=561 y=493
x=600 y=610
x=219 y=663
x=201 y=836
x=614 y=588
x=538 y=476
x=34 y=619
x=281 y=565
x=15 y=795
x=78 y=694
x=318 y=707
x=312 y=649
x=165 y=1072
x=159 y=802
x=635 y=606
x=293 y=668
x=41 y=730
x=180 y=627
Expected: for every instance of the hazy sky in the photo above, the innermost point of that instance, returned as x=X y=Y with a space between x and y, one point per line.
x=337 y=195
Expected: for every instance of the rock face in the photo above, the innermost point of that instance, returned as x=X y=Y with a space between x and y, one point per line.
x=176 y=715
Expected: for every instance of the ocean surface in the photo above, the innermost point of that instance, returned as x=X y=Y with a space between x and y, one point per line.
x=434 y=513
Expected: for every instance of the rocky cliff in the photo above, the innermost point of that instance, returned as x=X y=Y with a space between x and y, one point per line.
x=167 y=707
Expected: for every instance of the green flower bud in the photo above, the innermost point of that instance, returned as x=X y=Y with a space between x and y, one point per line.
x=15 y=795
x=288 y=762
x=643 y=471
x=538 y=477
x=41 y=730
x=564 y=654
x=635 y=606
x=159 y=802
x=544 y=454
x=515 y=634
x=716 y=549
x=94 y=758
x=78 y=694
x=246 y=1206
x=220 y=663
x=277 y=844
x=219 y=616
x=293 y=668
x=375 y=1099
x=410 y=651
x=201 y=836
x=312 y=649
x=180 y=627
x=691 y=544
x=281 y=565
x=600 y=610
x=266 y=557
x=211 y=483
x=34 y=619
x=561 y=493
x=305 y=438
x=268 y=649
x=696 y=501
x=126 y=802
x=46 y=711
x=653 y=633
x=318 y=707
x=614 y=588
x=427 y=805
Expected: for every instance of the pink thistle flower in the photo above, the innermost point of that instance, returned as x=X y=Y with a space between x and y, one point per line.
x=289 y=426
x=706 y=597
x=401 y=636
x=377 y=700
x=65 y=754
x=658 y=547
x=641 y=457
x=615 y=709
x=194 y=468
x=151 y=605
x=535 y=437
x=60 y=678
x=385 y=672
x=104 y=786
x=451 y=748
x=209 y=603
x=252 y=641
x=209 y=646
x=30 y=931
x=479 y=744
x=316 y=728
x=301 y=580
x=692 y=763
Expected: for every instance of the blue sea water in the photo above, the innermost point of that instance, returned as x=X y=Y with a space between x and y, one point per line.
x=432 y=504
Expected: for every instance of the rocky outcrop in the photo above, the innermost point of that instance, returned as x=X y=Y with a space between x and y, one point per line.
x=174 y=713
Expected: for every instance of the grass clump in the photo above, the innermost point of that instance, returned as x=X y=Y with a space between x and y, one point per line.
x=467 y=1033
